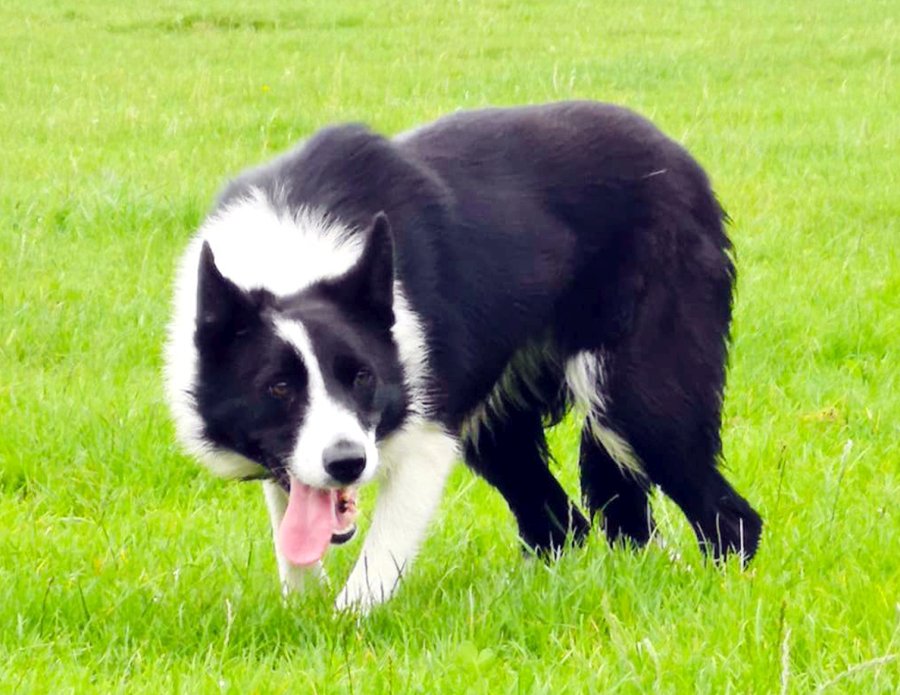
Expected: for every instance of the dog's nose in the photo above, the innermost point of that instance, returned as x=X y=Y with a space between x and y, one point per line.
x=344 y=461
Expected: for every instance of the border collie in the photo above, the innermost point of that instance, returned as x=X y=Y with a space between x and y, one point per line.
x=365 y=307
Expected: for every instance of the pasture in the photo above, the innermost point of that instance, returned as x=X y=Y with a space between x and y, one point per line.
x=124 y=567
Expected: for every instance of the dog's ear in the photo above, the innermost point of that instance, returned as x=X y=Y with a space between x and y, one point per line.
x=223 y=309
x=370 y=283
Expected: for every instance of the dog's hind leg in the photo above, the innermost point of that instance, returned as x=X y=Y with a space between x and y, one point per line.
x=665 y=383
x=612 y=481
x=292 y=578
x=616 y=492
x=510 y=452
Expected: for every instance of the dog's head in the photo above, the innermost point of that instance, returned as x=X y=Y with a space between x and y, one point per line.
x=281 y=361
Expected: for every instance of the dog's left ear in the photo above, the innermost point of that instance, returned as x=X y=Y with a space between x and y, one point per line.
x=370 y=283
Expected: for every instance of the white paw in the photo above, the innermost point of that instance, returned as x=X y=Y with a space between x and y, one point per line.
x=295 y=580
x=365 y=590
x=351 y=602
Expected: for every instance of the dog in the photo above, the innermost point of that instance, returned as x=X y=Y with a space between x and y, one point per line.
x=364 y=307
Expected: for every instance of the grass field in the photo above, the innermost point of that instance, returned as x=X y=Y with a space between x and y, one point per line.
x=126 y=568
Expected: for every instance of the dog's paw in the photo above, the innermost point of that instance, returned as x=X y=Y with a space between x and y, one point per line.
x=296 y=580
x=353 y=603
x=365 y=591
x=358 y=600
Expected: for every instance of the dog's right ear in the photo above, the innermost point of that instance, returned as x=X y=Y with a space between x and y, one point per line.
x=223 y=309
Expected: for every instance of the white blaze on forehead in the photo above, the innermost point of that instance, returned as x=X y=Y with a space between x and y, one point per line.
x=255 y=244
x=326 y=421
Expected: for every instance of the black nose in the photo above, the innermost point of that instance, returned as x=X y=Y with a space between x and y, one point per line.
x=344 y=461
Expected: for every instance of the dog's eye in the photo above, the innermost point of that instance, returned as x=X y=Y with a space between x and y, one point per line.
x=363 y=380
x=280 y=390
x=351 y=372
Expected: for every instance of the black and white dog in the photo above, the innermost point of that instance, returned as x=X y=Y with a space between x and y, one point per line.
x=368 y=307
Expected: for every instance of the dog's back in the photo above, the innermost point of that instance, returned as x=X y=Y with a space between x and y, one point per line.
x=586 y=250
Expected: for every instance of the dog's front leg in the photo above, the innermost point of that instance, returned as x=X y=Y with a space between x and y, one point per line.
x=417 y=462
x=292 y=578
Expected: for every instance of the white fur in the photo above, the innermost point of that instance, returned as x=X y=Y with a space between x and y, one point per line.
x=326 y=423
x=585 y=376
x=254 y=246
x=409 y=336
x=417 y=460
x=293 y=578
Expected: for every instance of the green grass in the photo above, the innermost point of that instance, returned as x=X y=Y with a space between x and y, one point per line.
x=124 y=567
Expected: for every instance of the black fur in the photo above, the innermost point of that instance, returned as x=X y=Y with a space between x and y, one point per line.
x=542 y=232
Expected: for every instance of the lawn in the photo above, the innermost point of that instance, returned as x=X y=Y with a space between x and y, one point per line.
x=124 y=567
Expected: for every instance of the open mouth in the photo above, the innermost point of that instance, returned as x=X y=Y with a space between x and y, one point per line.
x=345 y=513
x=315 y=519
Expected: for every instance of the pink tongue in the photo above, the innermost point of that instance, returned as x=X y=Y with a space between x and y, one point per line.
x=308 y=523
